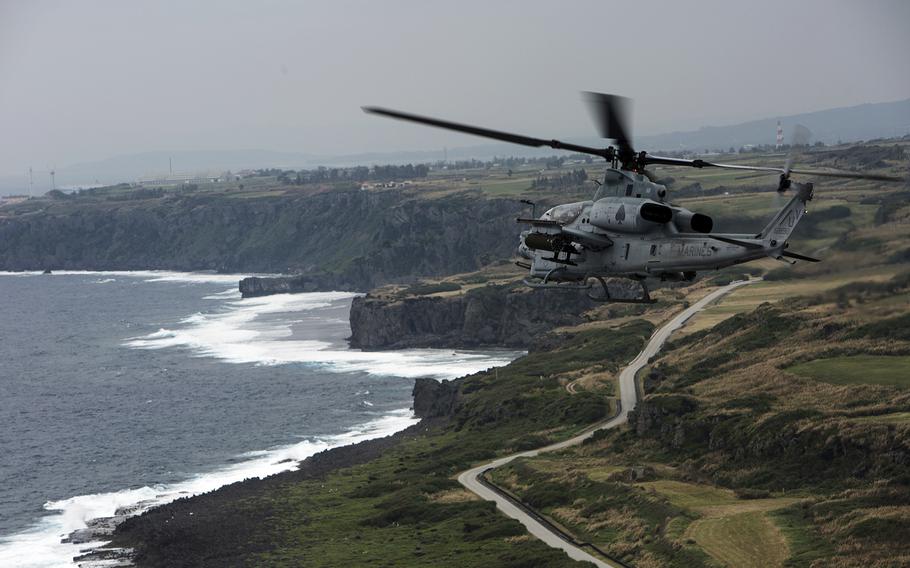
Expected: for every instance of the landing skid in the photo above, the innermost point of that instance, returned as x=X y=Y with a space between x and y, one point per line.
x=545 y=282
x=585 y=284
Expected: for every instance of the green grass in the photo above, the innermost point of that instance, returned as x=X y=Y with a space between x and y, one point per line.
x=379 y=514
x=805 y=542
x=747 y=540
x=891 y=418
x=592 y=504
x=691 y=495
x=858 y=369
x=427 y=289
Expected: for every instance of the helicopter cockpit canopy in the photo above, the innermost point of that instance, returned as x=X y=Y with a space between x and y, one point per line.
x=564 y=214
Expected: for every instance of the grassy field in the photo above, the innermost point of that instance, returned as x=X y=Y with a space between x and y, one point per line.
x=858 y=369
x=699 y=518
x=734 y=531
x=507 y=186
x=762 y=512
x=750 y=297
x=745 y=540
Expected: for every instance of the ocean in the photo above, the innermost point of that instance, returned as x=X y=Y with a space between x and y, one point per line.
x=123 y=389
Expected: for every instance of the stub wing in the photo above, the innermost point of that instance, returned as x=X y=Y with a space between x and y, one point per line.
x=588 y=239
x=539 y=222
x=556 y=231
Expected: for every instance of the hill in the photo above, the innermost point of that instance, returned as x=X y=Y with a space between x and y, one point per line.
x=847 y=124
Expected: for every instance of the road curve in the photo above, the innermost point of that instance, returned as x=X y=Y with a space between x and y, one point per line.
x=627 y=394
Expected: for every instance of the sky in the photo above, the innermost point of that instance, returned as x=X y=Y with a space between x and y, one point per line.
x=84 y=81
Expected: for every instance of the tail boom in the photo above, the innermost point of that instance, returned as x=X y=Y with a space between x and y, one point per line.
x=776 y=233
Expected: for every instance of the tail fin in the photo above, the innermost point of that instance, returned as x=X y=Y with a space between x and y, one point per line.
x=781 y=226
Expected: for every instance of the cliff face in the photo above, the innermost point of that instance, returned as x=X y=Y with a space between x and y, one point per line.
x=264 y=286
x=490 y=315
x=794 y=441
x=342 y=239
x=435 y=399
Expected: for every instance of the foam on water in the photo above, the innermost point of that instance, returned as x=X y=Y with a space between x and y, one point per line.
x=40 y=546
x=241 y=334
x=145 y=275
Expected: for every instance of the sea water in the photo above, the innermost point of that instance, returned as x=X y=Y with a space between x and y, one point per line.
x=122 y=389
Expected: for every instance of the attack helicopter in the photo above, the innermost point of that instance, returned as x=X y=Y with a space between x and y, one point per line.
x=630 y=229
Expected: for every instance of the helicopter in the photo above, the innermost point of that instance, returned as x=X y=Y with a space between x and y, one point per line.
x=630 y=229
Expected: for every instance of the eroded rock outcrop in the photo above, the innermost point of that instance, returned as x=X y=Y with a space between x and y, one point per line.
x=492 y=315
x=435 y=399
x=253 y=286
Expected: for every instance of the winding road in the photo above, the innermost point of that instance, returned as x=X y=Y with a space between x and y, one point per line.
x=472 y=478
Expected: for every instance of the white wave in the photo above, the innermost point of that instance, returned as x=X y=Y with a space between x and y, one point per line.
x=147 y=275
x=235 y=336
x=40 y=546
x=229 y=294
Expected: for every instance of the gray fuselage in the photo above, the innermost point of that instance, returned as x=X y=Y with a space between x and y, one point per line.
x=629 y=230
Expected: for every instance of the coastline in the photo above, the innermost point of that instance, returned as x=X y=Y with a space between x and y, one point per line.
x=97 y=537
x=91 y=542
x=83 y=523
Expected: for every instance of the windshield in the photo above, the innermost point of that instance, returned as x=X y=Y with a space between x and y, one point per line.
x=564 y=213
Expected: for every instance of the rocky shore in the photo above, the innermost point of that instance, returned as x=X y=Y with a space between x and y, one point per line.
x=434 y=403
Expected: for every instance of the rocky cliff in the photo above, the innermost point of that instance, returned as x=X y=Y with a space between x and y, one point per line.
x=435 y=399
x=340 y=239
x=500 y=315
x=253 y=286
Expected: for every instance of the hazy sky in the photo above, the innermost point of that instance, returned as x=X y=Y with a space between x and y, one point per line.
x=87 y=80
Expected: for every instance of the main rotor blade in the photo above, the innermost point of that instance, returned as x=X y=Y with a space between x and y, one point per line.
x=847 y=175
x=798 y=256
x=660 y=160
x=488 y=133
x=611 y=115
x=744 y=244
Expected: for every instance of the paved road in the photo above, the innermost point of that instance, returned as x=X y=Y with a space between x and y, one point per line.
x=627 y=393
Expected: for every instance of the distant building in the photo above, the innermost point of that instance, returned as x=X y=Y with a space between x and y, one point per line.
x=176 y=179
x=12 y=199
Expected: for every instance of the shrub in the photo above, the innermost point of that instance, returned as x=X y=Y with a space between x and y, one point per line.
x=426 y=289
x=747 y=493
